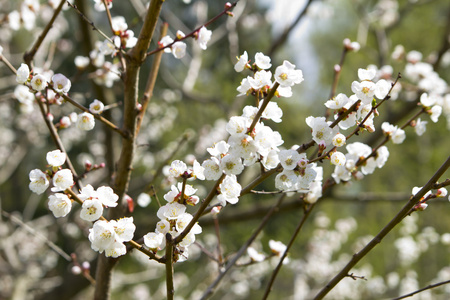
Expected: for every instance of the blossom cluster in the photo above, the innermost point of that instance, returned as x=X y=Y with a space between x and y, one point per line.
x=173 y=216
x=285 y=75
x=178 y=48
x=104 y=236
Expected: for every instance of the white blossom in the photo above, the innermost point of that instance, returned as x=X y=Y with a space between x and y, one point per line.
x=179 y=49
x=230 y=190
x=154 y=241
x=61 y=83
x=338 y=158
x=91 y=210
x=59 y=204
x=62 y=180
x=241 y=63
x=38 y=181
x=56 y=158
x=96 y=107
x=286 y=75
x=23 y=72
x=262 y=61
x=203 y=37
x=39 y=82
x=85 y=121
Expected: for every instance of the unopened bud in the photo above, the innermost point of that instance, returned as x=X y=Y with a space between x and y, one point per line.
x=87 y=165
x=86 y=265
x=228 y=5
x=216 y=210
x=337 y=68
x=76 y=270
x=193 y=200
x=130 y=203
x=442 y=192
x=421 y=206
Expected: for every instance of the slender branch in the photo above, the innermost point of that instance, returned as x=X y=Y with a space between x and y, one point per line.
x=263 y=106
x=28 y=56
x=169 y=267
x=97 y=116
x=57 y=140
x=379 y=237
x=431 y=286
x=194 y=32
x=37 y=234
x=200 y=211
x=148 y=92
x=211 y=288
x=83 y=16
x=288 y=247
x=283 y=37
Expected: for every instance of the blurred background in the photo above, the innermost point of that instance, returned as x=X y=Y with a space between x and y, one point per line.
x=193 y=99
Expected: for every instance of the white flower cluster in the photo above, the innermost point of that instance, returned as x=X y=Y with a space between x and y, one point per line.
x=32 y=82
x=173 y=216
x=93 y=201
x=61 y=178
x=396 y=134
x=178 y=48
x=355 y=152
x=286 y=75
x=436 y=99
x=109 y=236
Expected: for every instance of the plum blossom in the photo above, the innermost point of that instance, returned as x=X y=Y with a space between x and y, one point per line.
x=177 y=168
x=56 y=158
x=262 y=61
x=154 y=241
x=96 y=107
x=59 y=204
x=23 y=72
x=241 y=63
x=61 y=83
x=39 y=82
x=338 y=159
x=337 y=102
x=179 y=50
x=203 y=37
x=38 y=181
x=85 y=121
x=62 y=180
x=260 y=79
x=286 y=75
x=230 y=190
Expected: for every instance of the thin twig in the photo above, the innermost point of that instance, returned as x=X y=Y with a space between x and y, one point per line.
x=210 y=290
x=28 y=56
x=288 y=247
x=192 y=33
x=431 y=286
x=169 y=267
x=379 y=237
x=33 y=232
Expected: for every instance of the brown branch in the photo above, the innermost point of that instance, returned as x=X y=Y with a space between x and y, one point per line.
x=134 y=60
x=28 y=56
x=194 y=32
x=200 y=210
x=169 y=267
x=288 y=247
x=431 y=286
x=379 y=237
x=283 y=37
x=211 y=288
x=148 y=92
x=96 y=116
